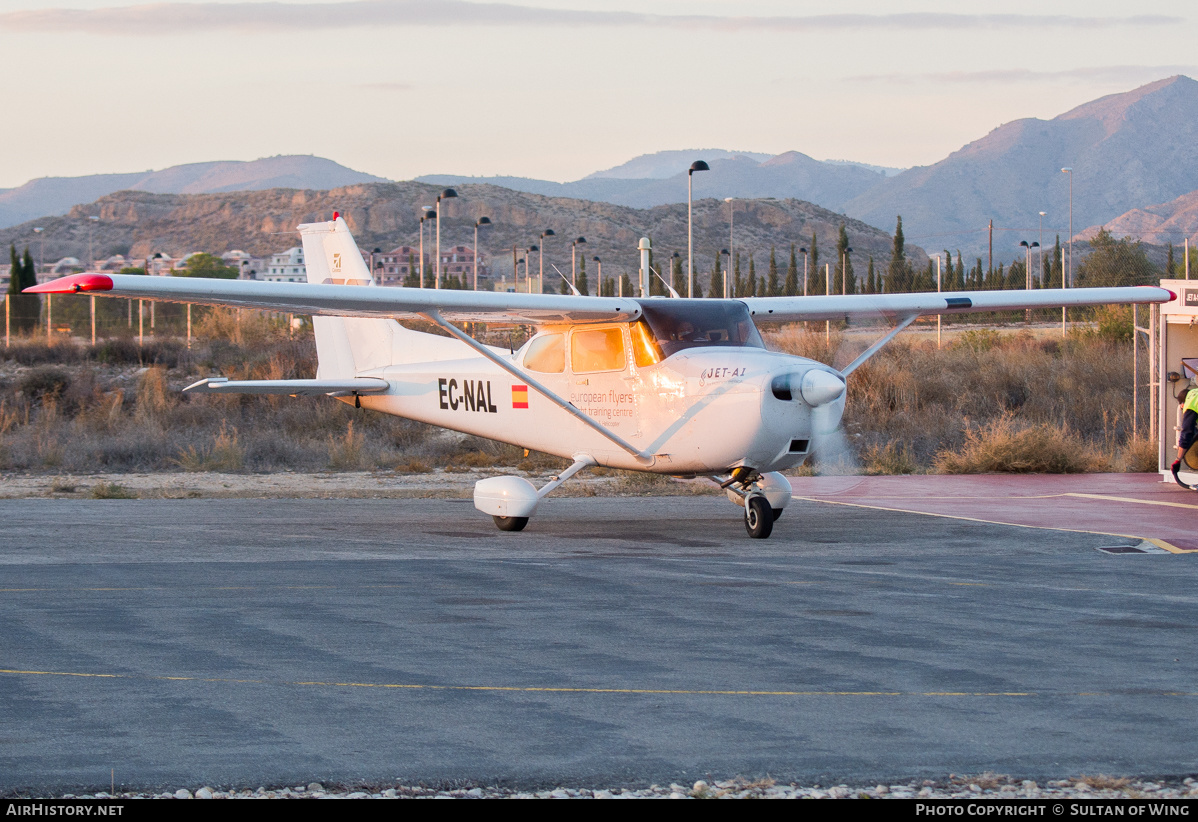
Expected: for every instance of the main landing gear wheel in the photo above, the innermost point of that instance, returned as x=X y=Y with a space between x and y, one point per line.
x=510 y=523
x=759 y=517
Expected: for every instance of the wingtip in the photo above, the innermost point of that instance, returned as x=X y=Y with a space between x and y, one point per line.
x=73 y=284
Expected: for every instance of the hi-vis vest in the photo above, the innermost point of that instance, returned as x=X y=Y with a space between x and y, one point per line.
x=1191 y=403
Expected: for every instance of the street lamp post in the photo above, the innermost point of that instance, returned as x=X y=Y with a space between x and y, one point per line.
x=697 y=165
x=731 y=246
x=803 y=251
x=528 y=265
x=541 y=260
x=573 y=261
x=429 y=213
x=1065 y=283
x=481 y=221
x=1027 y=273
x=1042 y=283
x=938 y=286
x=444 y=195
x=598 y=275
x=727 y=268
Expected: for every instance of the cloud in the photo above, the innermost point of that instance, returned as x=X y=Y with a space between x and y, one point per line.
x=994 y=76
x=281 y=17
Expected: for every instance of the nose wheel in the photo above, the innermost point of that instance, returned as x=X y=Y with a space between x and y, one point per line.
x=759 y=517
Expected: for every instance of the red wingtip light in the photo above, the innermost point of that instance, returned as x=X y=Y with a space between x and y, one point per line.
x=73 y=284
x=336 y=214
x=1172 y=296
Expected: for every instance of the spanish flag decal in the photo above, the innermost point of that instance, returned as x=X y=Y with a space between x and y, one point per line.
x=519 y=396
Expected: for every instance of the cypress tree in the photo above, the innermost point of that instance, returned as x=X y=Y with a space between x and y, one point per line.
x=792 y=275
x=870 y=288
x=898 y=275
x=751 y=288
x=25 y=309
x=816 y=274
x=582 y=285
x=738 y=286
x=959 y=273
x=1170 y=264
x=773 y=288
x=677 y=278
x=717 y=279
x=627 y=286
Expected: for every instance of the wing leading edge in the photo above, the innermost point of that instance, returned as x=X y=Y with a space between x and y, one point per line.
x=834 y=307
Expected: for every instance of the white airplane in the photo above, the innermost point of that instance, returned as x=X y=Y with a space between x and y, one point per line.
x=683 y=387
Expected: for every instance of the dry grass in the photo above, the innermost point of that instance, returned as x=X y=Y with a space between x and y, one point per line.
x=1102 y=782
x=110 y=490
x=1006 y=446
x=118 y=407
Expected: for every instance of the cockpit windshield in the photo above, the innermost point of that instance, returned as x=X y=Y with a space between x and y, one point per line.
x=678 y=324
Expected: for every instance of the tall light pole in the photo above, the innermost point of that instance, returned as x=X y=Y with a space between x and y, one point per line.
x=697 y=165
x=598 y=275
x=731 y=246
x=727 y=268
x=1027 y=273
x=444 y=195
x=428 y=215
x=528 y=264
x=574 y=245
x=41 y=247
x=541 y=260
x=803 y=251
x=1042 y=283
x=91 y=221
x=844 y=270
x=1065 y=283
x=937 y=291
x=481 y=221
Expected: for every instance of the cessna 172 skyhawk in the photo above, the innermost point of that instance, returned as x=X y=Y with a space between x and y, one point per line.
x=671 y=386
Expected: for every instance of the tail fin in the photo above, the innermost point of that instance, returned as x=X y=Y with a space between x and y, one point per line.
x=345 y=346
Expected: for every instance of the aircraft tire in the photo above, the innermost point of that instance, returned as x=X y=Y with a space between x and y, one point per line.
x=510 y=523
x=759 y=517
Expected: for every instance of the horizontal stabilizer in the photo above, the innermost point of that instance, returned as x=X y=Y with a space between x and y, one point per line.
x=336 y=388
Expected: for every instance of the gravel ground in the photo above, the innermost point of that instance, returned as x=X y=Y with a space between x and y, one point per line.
x=981 y=786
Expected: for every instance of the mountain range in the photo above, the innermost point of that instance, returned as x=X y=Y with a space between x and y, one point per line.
x=1133 y=155
x=47 y=196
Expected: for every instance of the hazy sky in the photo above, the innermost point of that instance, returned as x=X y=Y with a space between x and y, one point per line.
x=553 y=89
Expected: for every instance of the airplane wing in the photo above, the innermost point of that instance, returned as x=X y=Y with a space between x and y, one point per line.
x=341 y=300
x=837 y=307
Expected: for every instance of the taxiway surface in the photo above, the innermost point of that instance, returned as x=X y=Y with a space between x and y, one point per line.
x=616 y=641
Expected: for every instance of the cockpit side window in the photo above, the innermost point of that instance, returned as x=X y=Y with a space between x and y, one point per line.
x=600 y=349
x=546 y=354
x=645 y=351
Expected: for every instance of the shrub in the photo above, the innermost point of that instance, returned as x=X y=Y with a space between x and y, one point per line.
x=1007 y=447
x=44 y=381
x=110 y=490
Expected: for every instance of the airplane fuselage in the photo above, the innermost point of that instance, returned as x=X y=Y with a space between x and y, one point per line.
x=701 y=410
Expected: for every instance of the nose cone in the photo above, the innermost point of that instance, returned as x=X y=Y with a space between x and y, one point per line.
x=820 y=388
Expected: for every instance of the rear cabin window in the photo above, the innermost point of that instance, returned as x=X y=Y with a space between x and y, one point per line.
x=547 y=354
x=598 y=350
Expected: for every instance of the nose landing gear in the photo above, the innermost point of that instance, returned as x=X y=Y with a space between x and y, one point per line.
x=763 y=496
x=759 y=517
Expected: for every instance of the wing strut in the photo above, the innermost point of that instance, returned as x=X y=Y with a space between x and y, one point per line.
x=507 y=366
x=873 y=349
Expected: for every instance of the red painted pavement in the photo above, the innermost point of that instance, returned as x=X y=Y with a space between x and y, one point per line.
x=1076 y=502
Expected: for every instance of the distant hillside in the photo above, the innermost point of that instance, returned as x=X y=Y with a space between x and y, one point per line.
x=663 y=164
x=386 y=215
x=55 y=195
x=790 y=175
x=1127 y=149
x=1170 y=222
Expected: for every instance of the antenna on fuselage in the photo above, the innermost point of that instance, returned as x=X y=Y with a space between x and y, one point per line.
x=566 y=279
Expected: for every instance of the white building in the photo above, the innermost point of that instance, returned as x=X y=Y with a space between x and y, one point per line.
x=286 y=267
